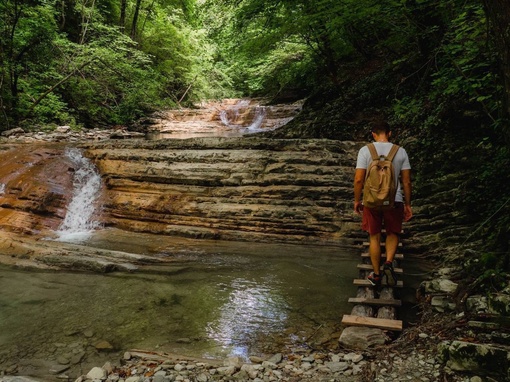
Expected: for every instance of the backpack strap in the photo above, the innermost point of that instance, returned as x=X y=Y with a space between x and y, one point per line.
x=390 y=156
x=392 y=152
x=373 y=151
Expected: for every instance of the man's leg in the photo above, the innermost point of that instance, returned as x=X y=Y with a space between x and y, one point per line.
x=391 y=249
x=374 y=250
x=391 y=246
x=393 y=223
x=372 y=223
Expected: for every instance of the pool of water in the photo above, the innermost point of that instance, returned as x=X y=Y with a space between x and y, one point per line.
x=212 y=299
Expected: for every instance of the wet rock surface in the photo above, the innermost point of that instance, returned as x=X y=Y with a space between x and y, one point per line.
x=250 y=189
x=229 y=117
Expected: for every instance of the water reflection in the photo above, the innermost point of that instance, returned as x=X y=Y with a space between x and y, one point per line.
x=251 y=309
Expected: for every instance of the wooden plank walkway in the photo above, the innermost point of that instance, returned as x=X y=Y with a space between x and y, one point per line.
x=381 y=323
x=389 y=304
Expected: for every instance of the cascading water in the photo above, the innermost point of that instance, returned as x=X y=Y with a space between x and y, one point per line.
x=260 y=113
x=229 y=117
x=79 y=220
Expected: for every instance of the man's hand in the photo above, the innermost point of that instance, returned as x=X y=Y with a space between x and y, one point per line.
x=358 y=208
x=408 y=212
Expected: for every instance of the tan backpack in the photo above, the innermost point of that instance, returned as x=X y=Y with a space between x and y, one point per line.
x=380 y=183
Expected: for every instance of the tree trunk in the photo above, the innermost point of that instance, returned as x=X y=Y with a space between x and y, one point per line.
x=498 y=15
x=135 y=18
x=122 y=19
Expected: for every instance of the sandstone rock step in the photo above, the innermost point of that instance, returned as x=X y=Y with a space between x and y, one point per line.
x=251 y=187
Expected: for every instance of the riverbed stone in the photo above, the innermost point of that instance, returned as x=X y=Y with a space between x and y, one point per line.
x=269 y=365
x=233 y=361
x=440 y=285
x=63 y=360
x=256 y=359
x=353 y=357
x=103 y=345
x=226 y=370
x=361 y=338
x=96 y=373
x=179 y=367
x=250 y=370
x=337 y=366
x=276 y=358
x=13 y=132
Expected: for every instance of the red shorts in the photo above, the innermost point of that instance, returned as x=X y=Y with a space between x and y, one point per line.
x=375 y=219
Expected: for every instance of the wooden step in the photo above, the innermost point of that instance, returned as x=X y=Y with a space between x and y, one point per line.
x=384 y=231
x=368 y=267
x=381 y=323
x=365 y=282
x=383 y=244
x=374 y=301
x=398 y=256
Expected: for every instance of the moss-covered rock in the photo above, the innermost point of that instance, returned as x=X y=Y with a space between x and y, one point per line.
x=479 y=358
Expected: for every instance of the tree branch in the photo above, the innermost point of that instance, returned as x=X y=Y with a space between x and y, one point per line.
x=51 y=89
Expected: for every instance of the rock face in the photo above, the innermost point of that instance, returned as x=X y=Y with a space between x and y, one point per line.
x=230 y=117
x=230 y=188
x=34 y=187
x=465 y=356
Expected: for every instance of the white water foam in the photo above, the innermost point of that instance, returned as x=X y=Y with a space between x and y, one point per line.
x=260 y=114
x=2 y=188
x=79 y=221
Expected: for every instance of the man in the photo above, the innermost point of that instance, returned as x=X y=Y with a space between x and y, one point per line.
x=373 y=219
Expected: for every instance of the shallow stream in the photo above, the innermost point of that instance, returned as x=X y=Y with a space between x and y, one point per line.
x=214 y=299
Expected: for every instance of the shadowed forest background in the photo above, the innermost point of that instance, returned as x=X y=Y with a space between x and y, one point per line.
x=437 y=71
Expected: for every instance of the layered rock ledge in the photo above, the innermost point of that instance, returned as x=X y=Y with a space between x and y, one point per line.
x=247 y=188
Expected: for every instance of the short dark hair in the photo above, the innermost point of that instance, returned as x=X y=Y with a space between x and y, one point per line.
x=380 y=127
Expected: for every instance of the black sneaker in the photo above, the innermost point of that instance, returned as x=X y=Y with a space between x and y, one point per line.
x=391 y=277
x=374 y=279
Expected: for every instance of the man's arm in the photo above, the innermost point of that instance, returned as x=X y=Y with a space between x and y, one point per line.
x=405 y=177
x=359 y=180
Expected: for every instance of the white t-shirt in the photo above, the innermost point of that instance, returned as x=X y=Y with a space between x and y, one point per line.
x=400 y=162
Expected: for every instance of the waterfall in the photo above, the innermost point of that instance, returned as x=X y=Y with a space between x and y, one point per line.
x=260 y=114
x=229 y=116
x=79 y=220
x=2 y=188
x=224 y=118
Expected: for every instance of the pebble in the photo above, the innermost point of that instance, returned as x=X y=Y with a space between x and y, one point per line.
x=314 y=366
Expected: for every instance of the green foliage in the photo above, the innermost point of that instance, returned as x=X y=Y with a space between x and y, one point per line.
x=489 y=272
x=466 y=67
x=69 y=62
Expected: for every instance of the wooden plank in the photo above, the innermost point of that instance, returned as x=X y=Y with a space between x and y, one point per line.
x=374 y=301
x=384 y=231
x=368 y=267
x=383 y=244
x=381 y=323
x=365 y=282
x=398 y=256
